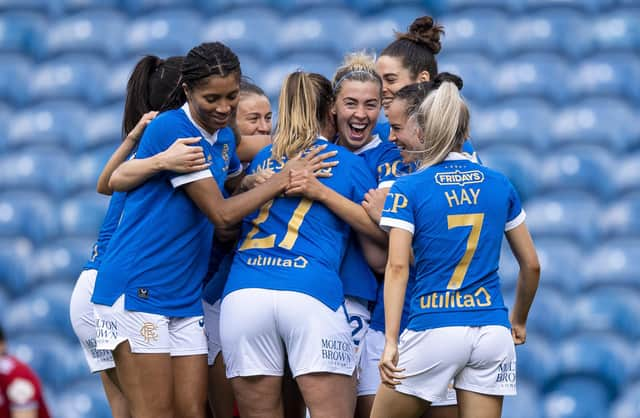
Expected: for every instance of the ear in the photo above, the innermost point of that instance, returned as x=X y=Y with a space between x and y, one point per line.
x=424 y=76
x=187 y=91
x=334 y=111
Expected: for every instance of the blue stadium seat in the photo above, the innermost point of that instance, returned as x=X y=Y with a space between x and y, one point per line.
x=115 y=80
x=606 y=75
x=50 y=123
x=376 y=32
x=5 y=116
x=15 y=74
x=628 y=403
x=271 y=79
x=590 y=121
x=563 y=215
x=532 y=75
x=475 y=70
x=619 y=220
x=626 y=174
x=21 y=32
x=72 y=6
x=562 y=262
x=519 y=121
x=554 y=30
x=58 y=361
x=525 y=405
x=251 y=67
x=214 y=7
x=288 y=6
x=548 y=314
x=103 y=127
x=164 y=33
x=144 y=6
x=319 y=30
x=609 y=309
x=62 y=260
x=246 y=31
x=577 y=397
x=478 y=30
x=508 y=268
x=74 y=76
x=42 y=6
x=82 y=215
x=39 y=169
x=583 y=168
x=618 y=30
x=518 y=164
x=29 y=214
x=87 y=169
x=537 y=361
x=458 y=5
x=590 y=6
x=84 y=399
x=613 y=262
x=16 y=257
x=44 y=309
x=605 y=355
x=98 y=31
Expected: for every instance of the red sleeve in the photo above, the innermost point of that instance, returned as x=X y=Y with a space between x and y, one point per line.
x=23 y=389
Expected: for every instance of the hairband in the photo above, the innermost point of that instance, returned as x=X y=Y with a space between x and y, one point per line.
x=350 y=73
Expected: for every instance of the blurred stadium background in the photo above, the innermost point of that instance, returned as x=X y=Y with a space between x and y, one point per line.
x=554 y=87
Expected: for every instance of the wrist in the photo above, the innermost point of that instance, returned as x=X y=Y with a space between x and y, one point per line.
x=159 y=162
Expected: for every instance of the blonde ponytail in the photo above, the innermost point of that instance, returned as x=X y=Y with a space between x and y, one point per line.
x=443 y=119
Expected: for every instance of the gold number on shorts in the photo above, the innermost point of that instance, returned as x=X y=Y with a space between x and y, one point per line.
x=293 y=227
x=474 y=220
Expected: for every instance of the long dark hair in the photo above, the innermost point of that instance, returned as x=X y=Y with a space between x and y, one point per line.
x=150 y=84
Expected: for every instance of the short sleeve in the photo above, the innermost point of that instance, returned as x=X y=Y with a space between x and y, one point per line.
x=362 y=179
x=158 y=137
x=515 y=213
x=259 y=159
x=398 y=208
x=389 y=167
x=235 y=166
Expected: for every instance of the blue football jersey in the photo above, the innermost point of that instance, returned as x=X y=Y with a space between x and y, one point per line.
x=158 y=256
x=109 y=225
x=292 y=243
x=458 y=212
x=382 y=129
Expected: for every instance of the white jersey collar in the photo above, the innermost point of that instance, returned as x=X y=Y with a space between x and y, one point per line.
x=456 y=156
x=210 y=138
x=371 y=145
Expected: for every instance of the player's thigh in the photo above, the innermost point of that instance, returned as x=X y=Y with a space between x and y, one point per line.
x=220 y=391
x=477 y=405
x=115 y=397
x=293 y=402
x=390 y=403
x=328 y=395
x=146 y=381
x=258 y=396
x=364 y=406
x=450 y=411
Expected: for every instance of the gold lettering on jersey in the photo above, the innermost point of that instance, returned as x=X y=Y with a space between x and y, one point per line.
x=267 y=261
x=388 y=169
x=463 y=197
x=456 y=300
x=399 y=200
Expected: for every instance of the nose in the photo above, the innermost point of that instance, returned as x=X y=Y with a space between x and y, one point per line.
x=224 y=107
x=392 y=136
x=360 y=112
x=264 y=127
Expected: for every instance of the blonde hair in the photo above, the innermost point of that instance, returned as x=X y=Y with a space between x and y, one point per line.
x=443 y=119
x=305 y=100
x=358 y=66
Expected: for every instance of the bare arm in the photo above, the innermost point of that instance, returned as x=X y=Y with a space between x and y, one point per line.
x=396 y=277
x=25 y=413
x=528 y=277
x=306 y=184
x=122 y=152
x=180 y=157
x=374 y=253
x=224 y=213
x=249 y=146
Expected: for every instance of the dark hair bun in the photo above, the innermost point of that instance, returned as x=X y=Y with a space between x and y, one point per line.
x=444 y=76
x=423 y=30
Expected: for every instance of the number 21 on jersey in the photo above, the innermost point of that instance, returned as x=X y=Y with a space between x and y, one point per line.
x=293 y=227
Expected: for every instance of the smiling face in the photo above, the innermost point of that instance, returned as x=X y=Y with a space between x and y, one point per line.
x=214 y=100
x=404 y=130
x=357 y=108
x=253 y=116
x=394 y=77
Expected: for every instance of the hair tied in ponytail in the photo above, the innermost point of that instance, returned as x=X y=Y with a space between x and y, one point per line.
x=452 y=78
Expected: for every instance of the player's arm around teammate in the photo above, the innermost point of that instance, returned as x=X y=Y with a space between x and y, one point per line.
x=459 y=328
